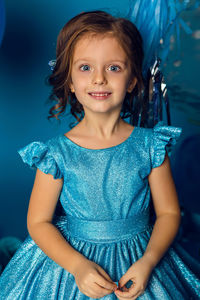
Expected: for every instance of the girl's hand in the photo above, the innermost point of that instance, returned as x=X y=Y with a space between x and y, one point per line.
x=92 y=280
x=139 y=274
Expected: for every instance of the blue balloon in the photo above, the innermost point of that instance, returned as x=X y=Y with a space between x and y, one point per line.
x=2 y=20
x=157 y=21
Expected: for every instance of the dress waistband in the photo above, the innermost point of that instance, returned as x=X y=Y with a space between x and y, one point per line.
x=105 y=231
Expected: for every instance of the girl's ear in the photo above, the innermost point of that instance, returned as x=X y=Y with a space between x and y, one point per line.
x=71 y=87
x=131 y=85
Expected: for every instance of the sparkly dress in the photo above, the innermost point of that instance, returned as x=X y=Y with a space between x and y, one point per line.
x=106 y=217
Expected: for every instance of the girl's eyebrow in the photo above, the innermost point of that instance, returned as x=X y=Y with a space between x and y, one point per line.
x=111 y=61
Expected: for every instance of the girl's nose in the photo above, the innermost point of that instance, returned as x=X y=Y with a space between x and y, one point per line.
x=99 y=77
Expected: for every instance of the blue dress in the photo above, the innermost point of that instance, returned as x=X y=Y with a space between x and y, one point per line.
x=106 y=216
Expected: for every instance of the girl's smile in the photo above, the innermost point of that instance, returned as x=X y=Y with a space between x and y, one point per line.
x=100 y=95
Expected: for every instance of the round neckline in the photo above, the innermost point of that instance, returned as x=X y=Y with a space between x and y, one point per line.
x=102 y=149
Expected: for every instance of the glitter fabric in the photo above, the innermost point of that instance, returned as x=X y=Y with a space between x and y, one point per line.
x=106 y=200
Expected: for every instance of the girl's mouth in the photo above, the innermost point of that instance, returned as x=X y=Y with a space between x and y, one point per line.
x=100 y=96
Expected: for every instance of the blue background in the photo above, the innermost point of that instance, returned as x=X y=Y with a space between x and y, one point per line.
x=28 y=44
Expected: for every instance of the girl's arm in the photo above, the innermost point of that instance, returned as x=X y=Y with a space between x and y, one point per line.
x=167 y=211
x=44 y=197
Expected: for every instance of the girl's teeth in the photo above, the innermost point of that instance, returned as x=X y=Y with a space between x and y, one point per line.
x=99 y=94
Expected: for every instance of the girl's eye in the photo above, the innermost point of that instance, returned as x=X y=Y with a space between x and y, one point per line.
x=84 y=67
x=113 y=68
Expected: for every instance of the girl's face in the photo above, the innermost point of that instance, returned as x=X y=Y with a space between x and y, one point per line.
x=100 y=74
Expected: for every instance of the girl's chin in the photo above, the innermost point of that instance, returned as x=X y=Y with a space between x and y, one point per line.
x=100 y=109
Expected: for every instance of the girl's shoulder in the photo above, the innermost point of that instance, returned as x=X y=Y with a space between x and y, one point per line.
x=160 y=136
x=151 y=145
x=165 y=134
x=161 y=132
x=44 y=155
x=161 y=127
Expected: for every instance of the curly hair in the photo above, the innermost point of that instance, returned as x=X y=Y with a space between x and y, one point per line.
x=95 y=22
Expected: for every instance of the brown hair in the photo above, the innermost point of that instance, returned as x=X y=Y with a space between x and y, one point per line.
x=93 y=22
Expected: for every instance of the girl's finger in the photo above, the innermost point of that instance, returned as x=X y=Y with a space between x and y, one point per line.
x=103 y=282
x=137 y=295
x=125 y=289
x=103 y=272
x=96 y=291
x=100 y=291
x=122 y=295
x=129 y=293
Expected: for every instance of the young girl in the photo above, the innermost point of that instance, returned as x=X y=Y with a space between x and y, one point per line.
x=102 y=171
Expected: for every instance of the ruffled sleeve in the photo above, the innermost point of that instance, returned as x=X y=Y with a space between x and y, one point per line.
x=163 y=135
x=38 y=155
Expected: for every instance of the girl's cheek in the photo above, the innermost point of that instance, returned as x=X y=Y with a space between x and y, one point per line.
x=83 y=76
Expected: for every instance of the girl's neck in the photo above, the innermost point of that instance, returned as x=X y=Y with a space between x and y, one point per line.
x=102 y=130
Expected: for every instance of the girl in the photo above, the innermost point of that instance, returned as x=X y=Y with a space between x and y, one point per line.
x=102 y=245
